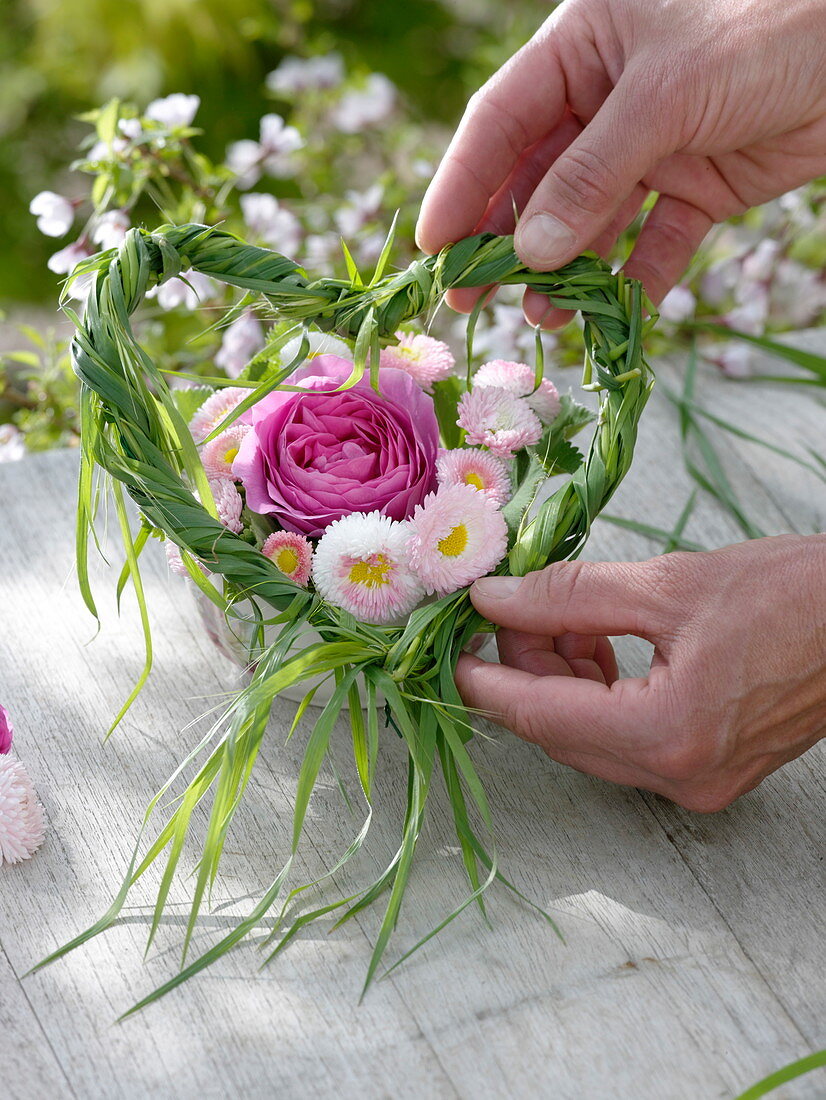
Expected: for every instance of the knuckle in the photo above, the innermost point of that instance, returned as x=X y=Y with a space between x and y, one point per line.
x=476 y=101
x=666 y=579
x=509 y=124
x=684 y=759
x=709 y=799
x=559 y=584
x=585 y=181
x=521 y=717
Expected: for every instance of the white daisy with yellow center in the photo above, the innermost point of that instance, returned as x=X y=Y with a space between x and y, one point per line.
x=458 y=535
x=361 y=564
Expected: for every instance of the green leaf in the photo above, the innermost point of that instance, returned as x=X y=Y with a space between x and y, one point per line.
x=809 y=360
x=189 y=399
x=446 y=394
x=782 y=1076
x=525 y=494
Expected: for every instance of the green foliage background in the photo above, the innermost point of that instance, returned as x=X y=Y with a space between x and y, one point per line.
x=61 y=57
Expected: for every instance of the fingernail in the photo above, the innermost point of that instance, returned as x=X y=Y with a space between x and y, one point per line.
x=543 y=239
x=498 y=588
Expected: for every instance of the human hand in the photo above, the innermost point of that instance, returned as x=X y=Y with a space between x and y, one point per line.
x=737 y=684
x=717 y=105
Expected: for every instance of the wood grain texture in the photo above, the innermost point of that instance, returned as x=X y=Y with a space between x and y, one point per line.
x=693 y=956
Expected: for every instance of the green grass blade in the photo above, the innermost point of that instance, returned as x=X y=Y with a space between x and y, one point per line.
x=137 y=583
x=784 y=1075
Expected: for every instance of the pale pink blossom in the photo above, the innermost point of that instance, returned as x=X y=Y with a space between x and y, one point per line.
x=483 y=471
x=21 y=816
x=241 y=340
x=359 y=209
x=291 y=553
x=106 y=150
x=320 y=250
x=214 y=410
x=505 y=335
x=499 y=420
x=758 y=266
x=272 y=154
x=304 y=74
x=735 y=360
x=272 y=222
x=189 y=291
x=518 y=378
x=228 y=502
x=678 y=305
x=111 y=228
x=55 y=213
x=719 y=281
x=64 y=261
x=457 y=536
x=174 y=111
x=131 y=128
x=365 y=106
x=750 y=315
x=12 y=443
x=174 y=559
x=219 y=454
x=426 y=360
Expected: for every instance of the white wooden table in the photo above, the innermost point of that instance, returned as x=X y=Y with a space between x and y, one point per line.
x=694 y=961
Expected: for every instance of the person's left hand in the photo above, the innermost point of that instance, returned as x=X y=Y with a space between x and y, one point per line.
x=737 y=684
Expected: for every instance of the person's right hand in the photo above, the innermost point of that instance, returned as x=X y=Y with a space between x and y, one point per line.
x=718 y=105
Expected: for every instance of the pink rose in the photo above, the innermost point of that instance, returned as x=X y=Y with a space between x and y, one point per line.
x=6 y=731
x=312 y=458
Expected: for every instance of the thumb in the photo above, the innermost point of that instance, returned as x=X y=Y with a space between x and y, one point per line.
x=587 y=184
x=579 y=598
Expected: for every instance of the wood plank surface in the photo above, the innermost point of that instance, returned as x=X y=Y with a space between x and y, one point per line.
x=692 y=962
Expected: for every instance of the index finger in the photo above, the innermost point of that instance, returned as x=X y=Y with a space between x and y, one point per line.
x=519 y=105
x=562 y=714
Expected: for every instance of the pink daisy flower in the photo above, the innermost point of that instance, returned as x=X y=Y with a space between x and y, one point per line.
x=174 y=559
x=21 y=815
x=485 y=472
x=6 y=731
x=499 y=420
x=458 y=535
x=518 y=379
x=214 y=409
x=291 y=553
x=361 y=564
x=176 y=562
x=228 y=502
x=219 y=454
x=426 y=360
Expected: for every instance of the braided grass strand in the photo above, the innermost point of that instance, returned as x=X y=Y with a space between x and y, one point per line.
x=133 y=431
